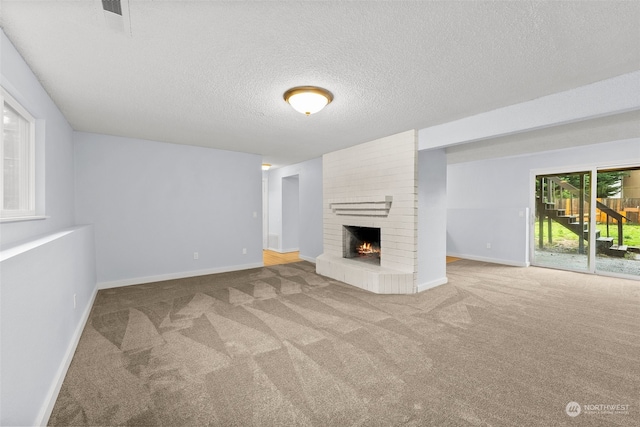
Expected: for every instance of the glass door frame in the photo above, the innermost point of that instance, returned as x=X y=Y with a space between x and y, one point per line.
x=593 y=169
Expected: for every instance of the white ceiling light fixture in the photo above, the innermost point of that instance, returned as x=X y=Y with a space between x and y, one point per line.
x=266 y=166
x=308 y=99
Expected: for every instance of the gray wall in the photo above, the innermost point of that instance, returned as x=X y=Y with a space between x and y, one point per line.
x=44 y=263
x=310 y=190
x=489 y=201
x=154 y=204
x=291 y=213
x=432 y=218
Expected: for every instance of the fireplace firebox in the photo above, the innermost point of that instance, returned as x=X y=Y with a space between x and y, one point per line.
x=361 y=244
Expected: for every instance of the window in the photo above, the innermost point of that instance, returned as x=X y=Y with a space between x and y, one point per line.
x=17 y=151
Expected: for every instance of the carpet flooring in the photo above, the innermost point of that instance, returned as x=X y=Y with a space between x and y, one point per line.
x=283 y=346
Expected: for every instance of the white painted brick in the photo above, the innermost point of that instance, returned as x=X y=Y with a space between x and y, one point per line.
x=382 y=283
x=409 y=247
x=410 y=212
x=389 y=282
x=396 y=238
x=402 y=284
x=372 y=171
x=395 y=280
x=393 y=266
x=395 y=287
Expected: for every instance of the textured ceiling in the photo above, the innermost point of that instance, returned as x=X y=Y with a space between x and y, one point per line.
x=213 y=73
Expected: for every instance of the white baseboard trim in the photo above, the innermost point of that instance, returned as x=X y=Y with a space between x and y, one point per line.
x=308 y=258
x=491 y=260
x=172 y=276
x=52 y=396
x=432 y=284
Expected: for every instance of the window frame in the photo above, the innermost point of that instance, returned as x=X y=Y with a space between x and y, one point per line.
x=28 y=190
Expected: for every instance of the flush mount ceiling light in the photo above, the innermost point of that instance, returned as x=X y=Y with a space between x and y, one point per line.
x=308 y=99
x=265 y=166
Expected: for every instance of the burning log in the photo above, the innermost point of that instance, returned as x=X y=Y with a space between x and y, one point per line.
x=366 y=248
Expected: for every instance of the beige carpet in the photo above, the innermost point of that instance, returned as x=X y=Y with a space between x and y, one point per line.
x=282 y=346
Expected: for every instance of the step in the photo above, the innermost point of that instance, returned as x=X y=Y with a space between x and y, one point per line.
x=608 y=240
x=603 y=244
x=634 y=249
x=617 y=251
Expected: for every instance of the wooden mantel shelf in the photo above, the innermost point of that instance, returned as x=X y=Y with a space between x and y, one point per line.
x=362 y=206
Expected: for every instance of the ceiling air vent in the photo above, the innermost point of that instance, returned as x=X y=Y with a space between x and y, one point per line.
x=113 y=6
x=116 y=15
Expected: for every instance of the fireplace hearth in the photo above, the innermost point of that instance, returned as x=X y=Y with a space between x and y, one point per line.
x=361 y=244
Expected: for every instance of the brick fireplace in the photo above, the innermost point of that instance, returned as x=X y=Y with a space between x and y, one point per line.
x=372 y=187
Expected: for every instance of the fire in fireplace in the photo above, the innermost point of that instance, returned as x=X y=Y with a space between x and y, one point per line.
x=361 y=243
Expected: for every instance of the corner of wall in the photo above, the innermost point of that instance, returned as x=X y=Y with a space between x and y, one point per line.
x=432 y=284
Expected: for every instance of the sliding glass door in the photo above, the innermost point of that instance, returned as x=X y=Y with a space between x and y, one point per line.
x=561 y=230
x=617 y=222
x=588 y=226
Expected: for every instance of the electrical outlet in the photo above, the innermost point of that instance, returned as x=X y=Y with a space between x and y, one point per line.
x=74 y=301
x=488 y=245
x=196 y=255
x=255 y=214
x=244 y=251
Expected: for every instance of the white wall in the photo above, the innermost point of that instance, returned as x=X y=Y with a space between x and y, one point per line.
x=290 y=213
x=310 y=217
x=44 y=263
x=505 y=230
x=432 y=218
x=486 y=198
x=56 y=171
x=40 y=325
x=154 y=204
